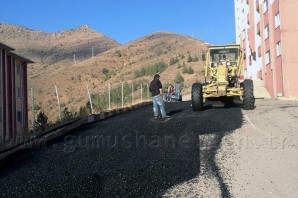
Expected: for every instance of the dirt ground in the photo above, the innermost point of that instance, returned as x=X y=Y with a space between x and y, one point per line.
x=261 y=158
x=257 y=160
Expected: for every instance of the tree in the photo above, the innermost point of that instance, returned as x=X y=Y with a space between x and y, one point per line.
x=41 y=120
x=66 y=114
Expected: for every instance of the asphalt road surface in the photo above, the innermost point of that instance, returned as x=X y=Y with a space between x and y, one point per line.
x=133 y=155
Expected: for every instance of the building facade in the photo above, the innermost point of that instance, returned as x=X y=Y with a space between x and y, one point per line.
x=13 y=93
x=266 y=30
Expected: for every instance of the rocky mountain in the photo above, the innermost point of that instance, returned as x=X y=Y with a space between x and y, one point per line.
x=173 y=56
x=48 y=48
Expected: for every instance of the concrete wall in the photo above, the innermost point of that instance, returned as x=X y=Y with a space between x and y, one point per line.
x=289 y=37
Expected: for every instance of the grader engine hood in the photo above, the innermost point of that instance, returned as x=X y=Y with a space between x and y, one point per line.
x=220 y=74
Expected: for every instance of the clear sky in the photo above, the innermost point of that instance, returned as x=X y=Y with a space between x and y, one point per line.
x=127 y=20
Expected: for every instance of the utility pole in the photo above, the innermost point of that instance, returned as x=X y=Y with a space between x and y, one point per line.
x=88 y=92
x=132 y=94
x=33 y=109
x=141 y=92
x=58 y=101
x=148 y=92
x=109 y=96
x=122 y=94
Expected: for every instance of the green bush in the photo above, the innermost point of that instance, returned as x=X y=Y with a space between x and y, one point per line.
x=67 y=115
x=187 y=70
x=181 y=56
x=118 y=53
x=174 y=60
x=100 y=102
x=41 y=120
x=190 y=70
x=85 y=110
x=107 y=73
x=151 y=70
x=192 y=59
x=196 y=58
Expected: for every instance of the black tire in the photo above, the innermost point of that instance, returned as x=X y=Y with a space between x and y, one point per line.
x=197 y=97
x=248 y=95
x=180 y=98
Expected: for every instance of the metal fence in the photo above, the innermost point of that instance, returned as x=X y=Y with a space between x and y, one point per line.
x=114 y=96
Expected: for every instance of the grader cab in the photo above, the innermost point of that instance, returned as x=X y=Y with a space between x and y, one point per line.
x=223 y=66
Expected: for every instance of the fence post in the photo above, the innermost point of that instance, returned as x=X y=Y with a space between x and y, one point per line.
x=33 y=109
x=59 y=107
x=109 y=96
x=122 y=95
x=89 y=97
x=132 y=95
x=148 y=92
x=141 y=92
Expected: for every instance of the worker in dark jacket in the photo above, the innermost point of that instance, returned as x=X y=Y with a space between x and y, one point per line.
x=156 y=92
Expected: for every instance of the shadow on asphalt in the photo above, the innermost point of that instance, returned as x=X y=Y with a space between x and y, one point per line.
x=127 y=156
x=222 y=119
x=171 y=113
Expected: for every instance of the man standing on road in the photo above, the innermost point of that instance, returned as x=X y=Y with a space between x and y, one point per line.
x=156 y=92
x=177 y=88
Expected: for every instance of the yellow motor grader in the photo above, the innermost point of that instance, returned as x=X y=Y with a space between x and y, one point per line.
x=222 y=78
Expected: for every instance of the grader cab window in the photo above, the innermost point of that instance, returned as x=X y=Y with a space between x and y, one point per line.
x=218 y=55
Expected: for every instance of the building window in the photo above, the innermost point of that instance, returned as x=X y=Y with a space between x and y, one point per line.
x=19 y=116
x=267 y=59
x=265 y=6
x=243 y=34
x=18 y=67
x=266 y=32
x=277 y=20
x=259 y=29
x=18 y=92
x=254 y=56
x=278 y=49
x=260 y=51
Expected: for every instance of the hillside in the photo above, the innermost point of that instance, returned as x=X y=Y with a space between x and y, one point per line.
x=127 y=63
x=46 y=48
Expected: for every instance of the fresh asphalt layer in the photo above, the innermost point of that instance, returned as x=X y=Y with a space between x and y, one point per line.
x=130 y=155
